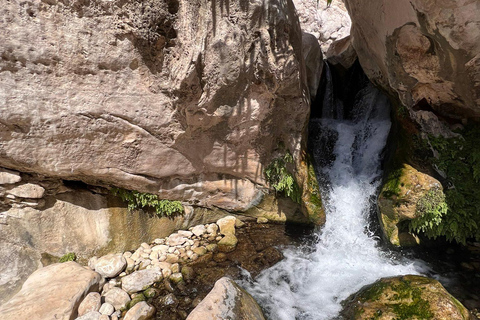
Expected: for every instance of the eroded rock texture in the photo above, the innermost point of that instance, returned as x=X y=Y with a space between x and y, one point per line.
x=187 y=100
x=426 y=52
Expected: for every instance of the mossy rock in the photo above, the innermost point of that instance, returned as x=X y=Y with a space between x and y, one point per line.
x=401 y=199
x=404 y=298
x=311 y=199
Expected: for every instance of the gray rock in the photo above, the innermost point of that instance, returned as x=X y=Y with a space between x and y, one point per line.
x=28 y=190
x=140 y=311
x=60 y=288
x=227 y=301
x=117 y=298
x=92 y=302
x=110 y=265
x=141 y=280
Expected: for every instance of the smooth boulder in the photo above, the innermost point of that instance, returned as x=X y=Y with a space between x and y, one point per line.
x=53 y=292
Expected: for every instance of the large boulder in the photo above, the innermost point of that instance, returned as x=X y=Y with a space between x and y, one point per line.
x=407 y=194
x=227 y=301
x=53 y=292
x=425 y=52
x=177 y=98
x=407 y=297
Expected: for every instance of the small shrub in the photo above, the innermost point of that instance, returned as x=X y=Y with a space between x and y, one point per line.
x=281 y=179
x=138 y=200
x=68 y=257
x=431 y=210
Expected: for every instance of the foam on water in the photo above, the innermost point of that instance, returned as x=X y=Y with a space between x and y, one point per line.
x=311 y=284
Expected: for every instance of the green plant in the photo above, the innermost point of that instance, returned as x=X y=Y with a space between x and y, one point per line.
x=68 y=257
x=138 y=200
x=459 y=159
x=281 y=179
x=431 y=209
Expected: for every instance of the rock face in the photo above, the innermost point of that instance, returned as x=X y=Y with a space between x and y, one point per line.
x=227 y=301
x=326 y=23
x=176 y=98
x=53 y=292
x=426 y=52
x=408 y=297
x=406 y=195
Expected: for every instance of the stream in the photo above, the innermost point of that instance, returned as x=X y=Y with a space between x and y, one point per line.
x=345 y=255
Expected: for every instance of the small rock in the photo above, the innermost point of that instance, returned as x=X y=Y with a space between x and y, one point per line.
x=188 y=273
x=227 y=225
x=262 y=220
x=141 y=311
x=92 y=302
x=213 y=247
x=218 y=238
x=145 y=245
x=136 y=299
x=127 y=254
x=212 y=229
x=169 y=300
x=220 y=257
x=199 y=230
x=110 y=265
x=200 y=251
x=28 y=190
x=228 y=243
x=171 y=258
x=117 y=298
x=186 y=234
x=176 y=277
x=168 y=285
x=239 y=223
x=130 y=264
x=159 y=241
x=9 y=177
x=92 y=315
x=153 y=255
x=144 y=264
x=141 y=280
x=166 y=273
x=164 y=265
x=151 y=293
x=161 y=248
x=176 y=239
x=104 y=317
x=107 y=309
x=175 y=268
x=194 y=257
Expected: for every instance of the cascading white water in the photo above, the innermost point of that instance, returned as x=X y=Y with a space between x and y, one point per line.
x=311 y=284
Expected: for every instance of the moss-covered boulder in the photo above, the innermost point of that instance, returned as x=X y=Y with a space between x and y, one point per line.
x=409 y=199
x=404 y=298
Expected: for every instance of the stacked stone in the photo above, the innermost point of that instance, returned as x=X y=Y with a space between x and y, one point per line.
x=19 y=194
x=131 y=275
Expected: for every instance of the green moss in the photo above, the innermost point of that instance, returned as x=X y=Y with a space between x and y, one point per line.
x=138 y=200
x=71 y=256
x=392 y=185
x=418 y=308
x=374 y=292
x=459 y=159
x=281 y=179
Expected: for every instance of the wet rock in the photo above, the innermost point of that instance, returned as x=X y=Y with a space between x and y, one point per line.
x=176 y=277
x=227 y=301
x=151 y=293
x=400 y=297
x=141 y=311
x=212 y=247
x=117 y=298
x=405 y=196
x=60 y=287
x=136 y=298
x=227 y=243
x=110 y=265
x=262 y=220
x=169 y=300
x=92 y=302
x=141 y=280
x=188 y=273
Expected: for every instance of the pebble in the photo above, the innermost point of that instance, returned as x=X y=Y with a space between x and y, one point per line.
x=106 y=309
x=117 y=298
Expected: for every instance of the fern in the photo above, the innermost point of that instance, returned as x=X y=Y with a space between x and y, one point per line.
x=138 y=200
x=71 y=256
x=281 y=179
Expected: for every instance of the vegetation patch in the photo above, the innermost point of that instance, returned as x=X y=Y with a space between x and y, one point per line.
x=458 y=217
x=392 y=185
x=418 y=308
x=430 y=211
x=137 y=200
x=71 y=256
x=280 y=178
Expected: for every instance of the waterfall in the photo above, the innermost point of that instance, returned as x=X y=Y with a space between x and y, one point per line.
x=311 y=282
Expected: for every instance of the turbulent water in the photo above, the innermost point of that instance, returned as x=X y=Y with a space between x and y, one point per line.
x=311 y=282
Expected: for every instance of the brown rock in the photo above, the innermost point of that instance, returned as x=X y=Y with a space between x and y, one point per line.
x=60 y=288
